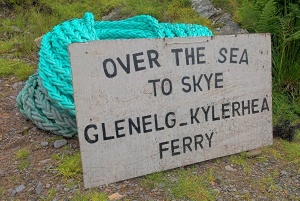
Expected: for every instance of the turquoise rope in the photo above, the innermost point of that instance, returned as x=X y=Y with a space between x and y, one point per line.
x=47 y=98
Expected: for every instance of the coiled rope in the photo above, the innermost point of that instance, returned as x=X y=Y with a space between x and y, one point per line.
x=47 y=98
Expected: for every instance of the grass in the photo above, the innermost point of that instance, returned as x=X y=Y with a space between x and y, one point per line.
x=89 y=196
x=153 y=180
x=192 y=187
x=15 y=67
x=68 y=166
x=241 y=160
x=22 y=155
x=19 y=57
x=30 y=19
x=1 y=191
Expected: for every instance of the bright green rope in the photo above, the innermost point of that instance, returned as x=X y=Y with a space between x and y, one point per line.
x=47 y=98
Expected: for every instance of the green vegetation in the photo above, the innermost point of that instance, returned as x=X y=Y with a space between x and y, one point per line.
x=24 y=20
x=68 y=166
x=89 y=196
x=22 y=155
x=281 y=19
x=241 y=160
x=15 y=67
x=183 y=183
x=1 y=192
x=153 y=180
x=192 y=187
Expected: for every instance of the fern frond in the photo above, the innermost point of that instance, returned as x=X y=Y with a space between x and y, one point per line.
x=269 y=20
x=249 y=15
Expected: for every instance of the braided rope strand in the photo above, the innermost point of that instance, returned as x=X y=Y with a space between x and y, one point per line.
x=47 y=97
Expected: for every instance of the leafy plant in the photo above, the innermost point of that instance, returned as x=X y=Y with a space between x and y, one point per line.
x=88 y=196
x=68 y=166
x=192 y=187
x=22 y=154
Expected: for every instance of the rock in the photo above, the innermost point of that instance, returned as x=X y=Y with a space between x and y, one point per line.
x=30 y=189
x=173 y=179
x=44 y=143
x=229 y=168
x=60 y=143
x=161 y=185
x=48 y=186
x=15 y=28
x=18 y=84
x=13 y=193
x=205 y=8
x=2 y=173
x=38 y=41
x=66 y=189
x=253 y=153
x=283 y=173
x=9 y=191
x=39 y=188
x=231 y=28
x=115 y=196
x=115 y=14
x=20 y=188
x=130 y=192
x=45 y=161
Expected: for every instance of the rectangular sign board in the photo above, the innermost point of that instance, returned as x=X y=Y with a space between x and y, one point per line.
x=147 y=105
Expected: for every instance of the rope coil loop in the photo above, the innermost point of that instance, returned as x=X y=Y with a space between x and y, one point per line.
x=47 y=97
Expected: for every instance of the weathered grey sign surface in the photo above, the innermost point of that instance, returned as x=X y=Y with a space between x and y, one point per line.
x=148 y=105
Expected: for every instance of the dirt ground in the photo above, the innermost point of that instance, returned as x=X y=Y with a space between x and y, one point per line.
x=267 y=176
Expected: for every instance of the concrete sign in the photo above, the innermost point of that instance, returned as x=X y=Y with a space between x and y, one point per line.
x=147 y=105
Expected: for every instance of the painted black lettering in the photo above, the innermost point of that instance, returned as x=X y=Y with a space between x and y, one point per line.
x=176 y=51
x=198 y=142
x=197 y=84
x=233 y=55
x=218 y=80
x=170 y=123
x=187 y=141
x=162 y=149
x=173 y=147
x=265 y=105
x=224 y=110
x=136 y=126
x=244 y=57
x=157 y=128
x=104 y=133
x=119 y=128
x=189 y=56
x=199 y=61
x=137 y=61
x=188 y=89
x=205 y=112
x=235 y=108
x=163 y=87
x=105 y=68
x=214 y=118
x=145 y=123
x=222 y=53
x=208 y=80
x=152 y=57
x=154 y=85
x=254 y=105
x=86 y=135
x=245 y=107
x=209 y=138
x=194 y=116
x=127 y=66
